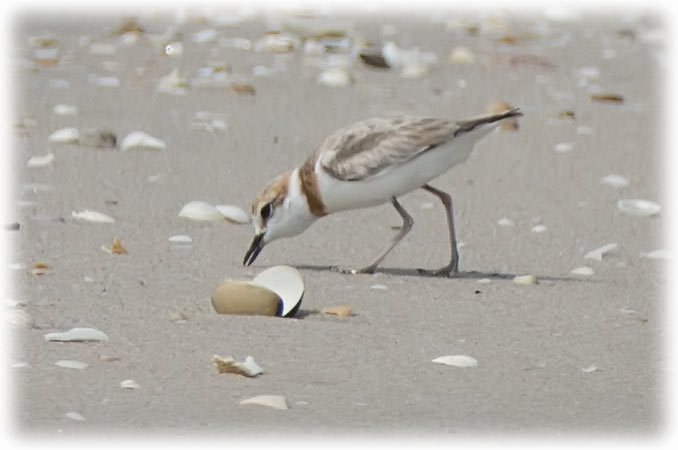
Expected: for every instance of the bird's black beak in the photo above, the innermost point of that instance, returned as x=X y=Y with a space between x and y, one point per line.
x=254 y=250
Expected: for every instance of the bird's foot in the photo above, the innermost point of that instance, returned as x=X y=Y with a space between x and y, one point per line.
x=447 y=271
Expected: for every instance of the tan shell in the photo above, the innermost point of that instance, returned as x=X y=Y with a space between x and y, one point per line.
x=242 y=297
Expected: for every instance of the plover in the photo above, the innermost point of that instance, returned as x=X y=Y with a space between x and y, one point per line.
x=366 y=164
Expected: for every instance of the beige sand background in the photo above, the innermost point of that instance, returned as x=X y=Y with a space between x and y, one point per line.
x=370 y=373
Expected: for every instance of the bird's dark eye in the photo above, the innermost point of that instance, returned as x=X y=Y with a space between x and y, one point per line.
x=266 y=211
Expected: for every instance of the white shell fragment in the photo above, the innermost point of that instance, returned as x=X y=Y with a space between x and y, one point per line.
x=142 y=140
x=563 y=147
x=462 y=55
x=65 y=136
x=272 y=401
x=457 y=361
x=71 y=364
x=590 y=369
x=286 y=282
x=172 y=83
x=599 y=252
x=615 y=180
x=77 y=334
x=180 y=239
x=233 y=214
x=525 y=280
x=74 y=416
x=40 y=161
x=92 y=216
x=248 y=368
x=660 y=253
x=65 y=110
x=506 y=222
x=335 y=77
x=129 y=384
x=583 y=271
x=638 y=207
x=539 y=228
x=201 y=211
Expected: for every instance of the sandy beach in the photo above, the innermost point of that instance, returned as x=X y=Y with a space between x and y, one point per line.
x=575 y=354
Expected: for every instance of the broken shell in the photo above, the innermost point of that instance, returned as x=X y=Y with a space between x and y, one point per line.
x=638 y=207
x=525 y=280
x=129 y=384
x=140 y=139
x=287 y=283
x=77 y=335
x=462 y=55
x=65 y=136
x=598 y=253
x=248 y=368
x=457 y=361
x=615 y=180
x=660 y=253
x=92 y=216
x=242 y=297
x=583 y=271
x=233 y=214
x=201 y=211
x=563 y=147
x=335 y=77
x=272 y=401
x=180 y=239
x=71 y=364
x=40 y=161
x=65 y=110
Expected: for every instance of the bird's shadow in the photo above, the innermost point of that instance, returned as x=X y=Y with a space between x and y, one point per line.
x=410 y=272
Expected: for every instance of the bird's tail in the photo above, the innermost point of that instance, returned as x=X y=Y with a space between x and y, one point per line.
x=464 y=126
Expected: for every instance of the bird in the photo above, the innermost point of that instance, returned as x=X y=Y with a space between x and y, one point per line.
x=367 y=164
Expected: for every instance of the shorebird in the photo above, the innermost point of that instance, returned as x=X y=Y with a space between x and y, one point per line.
x=366 y=164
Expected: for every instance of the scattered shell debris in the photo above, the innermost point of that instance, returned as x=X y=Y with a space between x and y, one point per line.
x=142 y=140
x=506 y=222
x=607 y=98
x=335 y=77
x=638 y=207
x=272 y=401
x=457 y=360
x=17 y=318
x=115 y=248
x=40 y=161
x=277 y=291
x=78 y=334
x=65 y=110
x=72 y=415
x=590 y=369
x=68 y=135
x=172 y=83
x=71 y=364
x=563 y=147
x=525 y=280
x=605 y=250
x=180 y=239
x=92 y=216
x=339 y=310
x=660 y=253
x=413 y=63
x=583 y=271
x=248 y=368
x=539 y=228
x=615 y=180
x=129 y=384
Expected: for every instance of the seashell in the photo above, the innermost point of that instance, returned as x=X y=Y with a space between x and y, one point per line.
x=40 y=161
x=115 y=248
x=539 y=228
x=506 y=222
x=246 y=298
x=201 y=211
x=17 y=318
x=638 y=207
x=598 y=253
x=129 y=384
x=457 y=361
x=141 y=140
x=563 y=147
x=92 y=216
x=415 y=70
x=65 y=110
x=287 y=283
x=172 y=83
x=525 y=280
x=462 y=55
x=590 y=369
x=71 y=364
x=75 y=416
x=248 y=368
x=660 y=253
x=583 y=270
x=233 y=214
x=77 y=334
x=277 y=43
x=335 y=77
x=272 y=401
x=65 y=136
x=615 y=180
x=373 y=58
x=180 y=239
